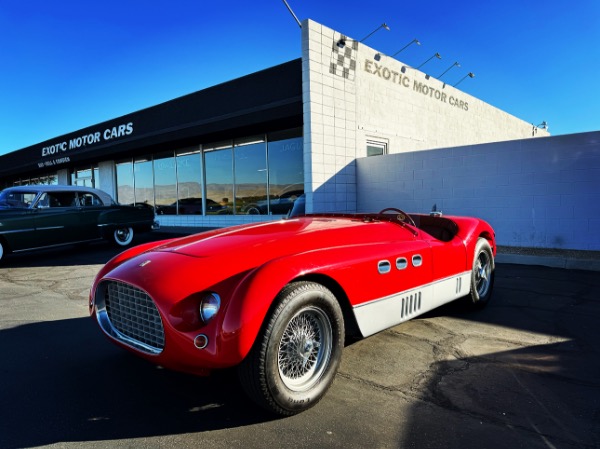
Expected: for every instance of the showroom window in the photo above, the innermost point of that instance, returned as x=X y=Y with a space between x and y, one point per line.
x=250 y=168
x=286 y=171
x=143 y=181
x=165 y=183
x=218 y=163
x=85 y=177
x=48 y=179
x=125 y=192
x=254 y=175
x=189 y=182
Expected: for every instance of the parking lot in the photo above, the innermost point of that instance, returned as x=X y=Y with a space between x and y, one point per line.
x=525 y=372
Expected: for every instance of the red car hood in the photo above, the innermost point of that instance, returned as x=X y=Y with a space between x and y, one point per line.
x=273 y=239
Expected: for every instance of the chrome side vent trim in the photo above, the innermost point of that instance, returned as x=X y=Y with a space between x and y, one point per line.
x=410 y=305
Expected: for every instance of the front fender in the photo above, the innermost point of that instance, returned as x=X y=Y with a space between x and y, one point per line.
x=249 y=306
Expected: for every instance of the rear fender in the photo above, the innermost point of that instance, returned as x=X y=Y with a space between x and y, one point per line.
x=136 y=218
x=470 y=229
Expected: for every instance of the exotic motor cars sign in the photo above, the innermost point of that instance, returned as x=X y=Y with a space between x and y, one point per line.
x=91 y=138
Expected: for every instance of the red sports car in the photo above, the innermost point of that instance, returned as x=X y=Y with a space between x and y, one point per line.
x=277 y=300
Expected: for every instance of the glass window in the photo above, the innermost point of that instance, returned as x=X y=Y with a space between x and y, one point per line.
x=144 y=182
x=251 y=176
x=189 y=182
x=84 y=177
x=218 y=160
x=165 y=184
x=125 y=192
x=375 y=148
x=286 y=171
x=89 y=199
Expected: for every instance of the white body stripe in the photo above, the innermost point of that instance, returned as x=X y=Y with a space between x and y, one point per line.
x=380 y=314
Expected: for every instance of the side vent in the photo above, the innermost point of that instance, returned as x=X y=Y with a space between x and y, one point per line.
x=410 y=304
x=401 y=263
x=417 y=260
x=458 y=285
x=384 y=267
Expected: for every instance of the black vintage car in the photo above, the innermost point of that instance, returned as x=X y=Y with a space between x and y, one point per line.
x=41 y=216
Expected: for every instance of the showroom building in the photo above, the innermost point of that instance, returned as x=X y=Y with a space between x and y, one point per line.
x=244 y=150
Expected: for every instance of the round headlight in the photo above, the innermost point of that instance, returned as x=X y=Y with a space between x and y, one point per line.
x=209 y=306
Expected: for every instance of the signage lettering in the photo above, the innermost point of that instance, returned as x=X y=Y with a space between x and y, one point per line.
x=93 y=138
x=399 y=78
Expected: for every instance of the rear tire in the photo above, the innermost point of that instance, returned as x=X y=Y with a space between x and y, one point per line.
x=482 y=276
x=296 y=356
x=123 y=236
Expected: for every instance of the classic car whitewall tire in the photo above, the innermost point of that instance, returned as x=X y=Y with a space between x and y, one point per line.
x=296 y=356
x=1 y=250
x=482 y=277
x=123 y=236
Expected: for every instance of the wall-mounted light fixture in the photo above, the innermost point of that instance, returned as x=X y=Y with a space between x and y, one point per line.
x=383 y=25
x=456 y=64
x=414 y=41
x=543 y=125
x=470 y=75
x=437 y=55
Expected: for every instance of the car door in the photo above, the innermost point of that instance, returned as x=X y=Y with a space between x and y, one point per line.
x=17 y=227
x=90 y=208
x=57 y=219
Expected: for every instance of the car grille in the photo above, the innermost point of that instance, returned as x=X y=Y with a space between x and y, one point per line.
x=129 y=315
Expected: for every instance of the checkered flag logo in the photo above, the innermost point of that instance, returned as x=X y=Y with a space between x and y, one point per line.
x=343 y=57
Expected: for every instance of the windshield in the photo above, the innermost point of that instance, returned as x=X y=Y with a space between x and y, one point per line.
x=16 y=199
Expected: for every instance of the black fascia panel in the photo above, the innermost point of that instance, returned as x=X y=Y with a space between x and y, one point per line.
x=259 y=102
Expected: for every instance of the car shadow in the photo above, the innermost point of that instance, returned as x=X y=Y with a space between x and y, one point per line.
x=534 y=382
x=61 y=382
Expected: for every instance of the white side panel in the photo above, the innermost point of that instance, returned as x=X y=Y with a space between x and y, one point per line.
x=383 y=313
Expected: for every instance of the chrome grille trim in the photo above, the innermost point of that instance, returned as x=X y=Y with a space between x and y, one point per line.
x=128 y=314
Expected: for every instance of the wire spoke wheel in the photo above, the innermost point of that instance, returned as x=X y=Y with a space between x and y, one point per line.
x=296 y=357
x=305 y=349
x=483 y=272
x=482 y=275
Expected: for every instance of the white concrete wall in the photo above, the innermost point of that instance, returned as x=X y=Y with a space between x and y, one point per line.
x=354 y=94
x=542 y=193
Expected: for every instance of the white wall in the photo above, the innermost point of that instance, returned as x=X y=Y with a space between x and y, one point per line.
x=352 y=95
x=542 y=193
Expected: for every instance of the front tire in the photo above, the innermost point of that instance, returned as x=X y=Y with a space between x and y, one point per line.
x=123 y=236
x=296 y=356
x=482 y=276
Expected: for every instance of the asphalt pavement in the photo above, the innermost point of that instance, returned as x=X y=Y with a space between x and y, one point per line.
x=522 y=373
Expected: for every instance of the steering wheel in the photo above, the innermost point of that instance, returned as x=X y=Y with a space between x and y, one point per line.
x=400 y=215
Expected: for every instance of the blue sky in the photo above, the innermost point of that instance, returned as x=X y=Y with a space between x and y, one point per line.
x=71 y=64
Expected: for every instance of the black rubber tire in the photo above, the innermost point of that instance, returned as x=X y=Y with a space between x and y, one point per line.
x=482 y=276
x=303 y=334
x=123 y=236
